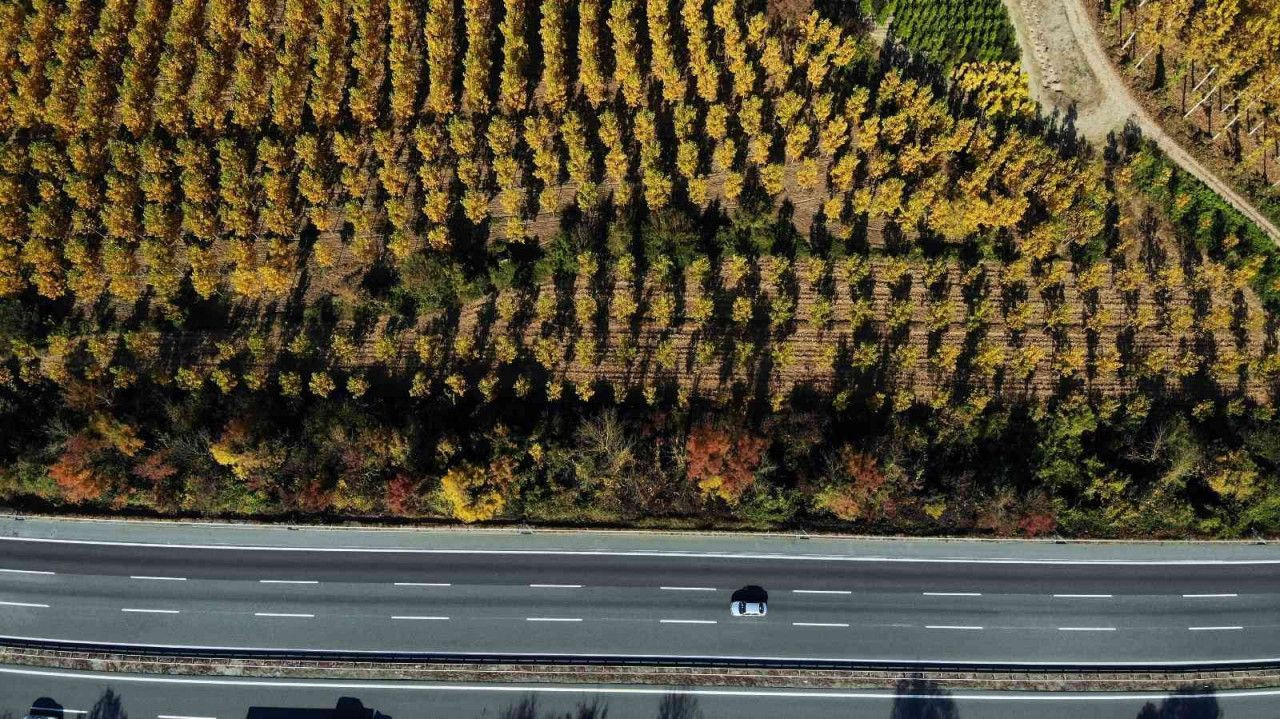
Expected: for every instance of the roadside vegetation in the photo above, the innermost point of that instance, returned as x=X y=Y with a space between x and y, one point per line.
x=650 y=263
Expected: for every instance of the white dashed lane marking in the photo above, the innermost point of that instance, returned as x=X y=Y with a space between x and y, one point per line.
x=284 y=614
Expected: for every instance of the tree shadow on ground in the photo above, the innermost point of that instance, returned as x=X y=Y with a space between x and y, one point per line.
x=1185 y=703
x=108 y=706
x=918 y=698
x=346 y=708
x=528 y=709
x=679 y=706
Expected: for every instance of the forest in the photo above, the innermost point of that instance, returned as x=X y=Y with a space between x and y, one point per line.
x=685 y=263
x=1214 y=69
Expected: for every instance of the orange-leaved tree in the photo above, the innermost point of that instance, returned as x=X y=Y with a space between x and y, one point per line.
x=723 y=459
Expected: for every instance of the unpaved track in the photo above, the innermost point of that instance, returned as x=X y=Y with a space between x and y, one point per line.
x=1105 y=98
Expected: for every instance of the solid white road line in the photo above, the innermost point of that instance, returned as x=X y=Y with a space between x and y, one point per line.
x=556 y=586
x=98 y=678
x=553 y=619
x=686 y=621
x=25 y=604
x=818 y=624
x=952 y=626
x=689 y=589
x=1214 y=629
x=821 y=591
x=283 y=614
x=150 y=611
x=423 y=584
x=952 y=594
x=1086 y=629
x=287 y=581
x=1209 y=596
x=159 y=579
x=25 y=571
x=180 y=716
x=861 y=559
x=1082 y=596
x=438 y=619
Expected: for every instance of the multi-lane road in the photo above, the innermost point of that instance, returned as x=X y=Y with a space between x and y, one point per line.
x=25 y=690
x=628 y=596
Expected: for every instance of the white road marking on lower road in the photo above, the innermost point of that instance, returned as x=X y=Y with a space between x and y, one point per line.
x=159 y=579
x=553 y=619
x=438 y=619
x=952 y=594
x=1086 y=629
x=818 y=624
x=689 y=589
x=287 y=581
x=61 y=711
x=821 y=591
x=150 y=611
x=1209 y=596
x=1214 y=629
x=26 y=571
x=423 y=584
x=661 y=554
x=952 y=626
x=25 y=604
x=686 y=621
x=1082 y=596
x=180 y=716
x=556 y=586
x=329 y=685
x=283 y=614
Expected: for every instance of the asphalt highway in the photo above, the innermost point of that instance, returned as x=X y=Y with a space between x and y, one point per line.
x=515 y=596
x=74 y=695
